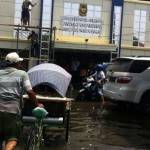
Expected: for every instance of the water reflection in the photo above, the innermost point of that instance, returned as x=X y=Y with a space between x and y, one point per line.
x=109 y=128
x=94 y=128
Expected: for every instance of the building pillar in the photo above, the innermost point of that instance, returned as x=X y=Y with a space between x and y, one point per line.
x=121 y=4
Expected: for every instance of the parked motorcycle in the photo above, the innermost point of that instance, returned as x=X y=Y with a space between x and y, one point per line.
x=89 y=88
x=88 y=91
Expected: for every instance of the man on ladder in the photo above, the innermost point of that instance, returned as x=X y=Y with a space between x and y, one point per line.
x=33 y=36
x=25 y=14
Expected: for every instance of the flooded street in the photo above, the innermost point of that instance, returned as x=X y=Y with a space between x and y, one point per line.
x=92 y=128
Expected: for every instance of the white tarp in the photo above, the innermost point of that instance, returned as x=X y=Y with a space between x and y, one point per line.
x=52 y=74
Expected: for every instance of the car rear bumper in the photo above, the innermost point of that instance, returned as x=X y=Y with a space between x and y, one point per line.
x=116 y=94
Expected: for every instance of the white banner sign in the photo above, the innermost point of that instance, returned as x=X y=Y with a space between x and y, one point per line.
x=81 y=25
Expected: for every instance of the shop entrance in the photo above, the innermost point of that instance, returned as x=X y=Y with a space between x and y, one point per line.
x=79 y=64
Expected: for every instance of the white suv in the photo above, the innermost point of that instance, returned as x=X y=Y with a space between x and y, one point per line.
x=129 y=81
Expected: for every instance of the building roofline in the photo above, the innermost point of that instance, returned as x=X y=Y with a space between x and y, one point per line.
x=138 y=1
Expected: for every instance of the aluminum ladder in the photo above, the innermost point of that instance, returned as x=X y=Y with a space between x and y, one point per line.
x=44 y=46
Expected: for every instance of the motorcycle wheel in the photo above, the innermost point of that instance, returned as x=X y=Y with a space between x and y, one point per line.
x=80 y=97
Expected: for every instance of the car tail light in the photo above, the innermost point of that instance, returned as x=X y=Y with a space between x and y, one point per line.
x=125 y=79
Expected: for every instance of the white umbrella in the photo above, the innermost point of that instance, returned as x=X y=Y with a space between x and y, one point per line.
x=52 y=74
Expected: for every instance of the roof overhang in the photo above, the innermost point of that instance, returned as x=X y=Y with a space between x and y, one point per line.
x=6 y=43
x=85 y=47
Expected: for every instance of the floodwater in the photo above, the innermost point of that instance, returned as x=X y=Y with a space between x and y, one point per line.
x=95 y=128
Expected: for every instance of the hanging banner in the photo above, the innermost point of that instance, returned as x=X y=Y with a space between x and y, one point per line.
x=77 y=24
x=83 y=10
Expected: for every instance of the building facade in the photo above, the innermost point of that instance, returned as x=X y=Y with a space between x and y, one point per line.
x=83 y=30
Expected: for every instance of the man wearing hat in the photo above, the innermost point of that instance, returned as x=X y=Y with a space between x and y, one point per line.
x=12 y=84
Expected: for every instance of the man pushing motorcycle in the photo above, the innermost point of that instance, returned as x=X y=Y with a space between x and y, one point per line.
x=99 y=77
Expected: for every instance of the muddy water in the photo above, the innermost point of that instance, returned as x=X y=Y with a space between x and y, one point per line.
x=96 y=128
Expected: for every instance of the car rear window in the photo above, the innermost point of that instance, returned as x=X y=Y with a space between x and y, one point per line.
x=120 y=65
x=139 y=66
x=128 y=65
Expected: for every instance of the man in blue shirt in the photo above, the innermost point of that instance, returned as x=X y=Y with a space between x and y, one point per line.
x=100 y=78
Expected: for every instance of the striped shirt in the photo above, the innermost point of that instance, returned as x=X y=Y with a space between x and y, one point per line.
x=12 y=84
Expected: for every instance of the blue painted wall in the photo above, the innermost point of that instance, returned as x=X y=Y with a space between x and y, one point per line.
x=117 y=2
x=114 y=3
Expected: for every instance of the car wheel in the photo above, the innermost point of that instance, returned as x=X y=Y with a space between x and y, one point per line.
x=145 y=103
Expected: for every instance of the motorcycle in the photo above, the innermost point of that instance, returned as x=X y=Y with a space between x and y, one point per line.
x=88 y=92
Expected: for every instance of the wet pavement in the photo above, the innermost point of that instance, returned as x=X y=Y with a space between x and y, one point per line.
x=96 y=128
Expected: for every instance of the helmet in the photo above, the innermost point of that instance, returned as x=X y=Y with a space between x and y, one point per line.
x=99 y=67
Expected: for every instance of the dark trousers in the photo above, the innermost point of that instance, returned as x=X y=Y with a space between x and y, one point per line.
x=34 y=49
